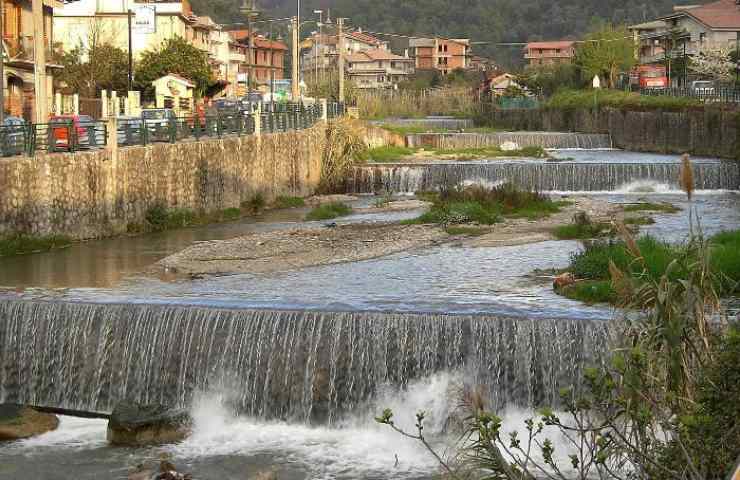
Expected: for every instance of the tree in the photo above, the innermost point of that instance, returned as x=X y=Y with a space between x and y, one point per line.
x=95 y=64
x=549 y=79
x=714 y=61
x=606 y=52
x=175 y=56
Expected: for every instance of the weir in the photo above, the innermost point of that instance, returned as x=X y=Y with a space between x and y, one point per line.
x=293 y=365
x=539 y=176
x=521 y=139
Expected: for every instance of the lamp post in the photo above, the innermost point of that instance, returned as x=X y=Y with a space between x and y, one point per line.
x=317 y=47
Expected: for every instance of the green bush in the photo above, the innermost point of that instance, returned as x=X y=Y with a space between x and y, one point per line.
x=329 y=211
x=19 y=244
x=231 y=214
x=590 y=99
x=289 y=202
x=387 y=154
x=652 y=207
x=593 y=262
x=726 y=256
x=256 y=203
x=591 y=292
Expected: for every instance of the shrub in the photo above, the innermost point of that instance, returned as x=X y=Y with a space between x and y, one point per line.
x=329 y=211
x=387 y=154
x=256 y=203
x=591 y=292
x=19 y=244
x=582 y=228
x=289 y=202
x=590 y=99
x=652 y=207
x=231 y=214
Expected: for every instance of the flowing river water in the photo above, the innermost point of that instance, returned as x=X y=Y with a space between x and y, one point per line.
x=286 y=371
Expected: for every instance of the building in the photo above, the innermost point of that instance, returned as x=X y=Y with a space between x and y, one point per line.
x=481 y=64
x=377 y=68
x=320 y=52
x=688 y=30
x=550 y=53
x=265 y=58
x=441 y=54
x=19 y=60
x=82 y=22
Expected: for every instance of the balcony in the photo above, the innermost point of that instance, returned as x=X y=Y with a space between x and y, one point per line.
x=21 y=49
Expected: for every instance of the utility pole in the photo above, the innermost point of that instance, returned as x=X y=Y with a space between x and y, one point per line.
x=39 y=47
x=317 y=46
x=340 y=28
x=295 y=88
x=2 y=62
x=130 y=52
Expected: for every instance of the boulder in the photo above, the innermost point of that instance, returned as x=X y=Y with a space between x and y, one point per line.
x=133 y=424
x=565 y=280
x=18 y=422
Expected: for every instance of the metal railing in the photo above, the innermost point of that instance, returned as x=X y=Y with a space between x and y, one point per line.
x=61 y=137
x=706 y=95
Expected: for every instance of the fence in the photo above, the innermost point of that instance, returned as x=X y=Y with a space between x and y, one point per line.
x=706 y=95
x=75 y=136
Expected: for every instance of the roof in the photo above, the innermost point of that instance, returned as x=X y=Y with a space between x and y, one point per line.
x=721 y=15
x=654 y=25
x=560 y=44
x=259 y=41
x=363 y=37
x=182 y=80
x=374 y=56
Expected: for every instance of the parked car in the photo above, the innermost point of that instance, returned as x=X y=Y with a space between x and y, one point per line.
x=130 y=131
x=703 y=87
x=13 y=135
x=70 y=132
x=158 y=122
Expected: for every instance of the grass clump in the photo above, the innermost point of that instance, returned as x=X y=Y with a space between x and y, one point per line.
x=582 y=228
x=289 y=202
x=590 y=99
x=255 y=204
x=484 y=206
x=474 y=153
x=159 y=218
x=590 y=292
x=329 y=211
x=19 y=244
x=388 y=154
x=651 y=207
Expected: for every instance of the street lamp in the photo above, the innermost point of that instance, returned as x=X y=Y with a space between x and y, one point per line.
x=317 y=47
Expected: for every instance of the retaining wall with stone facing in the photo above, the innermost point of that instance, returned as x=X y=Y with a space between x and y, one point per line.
x=100 y=193
x=705 y=132
x=557 y=140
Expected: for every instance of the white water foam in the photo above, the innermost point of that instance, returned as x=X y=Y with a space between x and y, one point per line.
x=75 y=433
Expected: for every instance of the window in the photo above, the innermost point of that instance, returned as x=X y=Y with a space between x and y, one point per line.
x=702 y=38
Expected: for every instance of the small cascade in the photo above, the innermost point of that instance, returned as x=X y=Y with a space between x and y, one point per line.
x=540 y=176
x=302 y=366
x=587 y=141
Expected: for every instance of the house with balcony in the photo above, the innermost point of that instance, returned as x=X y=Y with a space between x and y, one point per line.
x=376 y=69
x=18 y=40
x=265 y=58
x=688 y=30
x=539 y=54
x=320 y=51
x=441 y=54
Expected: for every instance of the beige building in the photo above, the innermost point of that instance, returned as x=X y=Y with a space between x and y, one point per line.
x=378 y=68
x=86 y=21
x=19 y=61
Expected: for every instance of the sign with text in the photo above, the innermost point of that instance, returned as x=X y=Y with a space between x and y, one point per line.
x=145 y=19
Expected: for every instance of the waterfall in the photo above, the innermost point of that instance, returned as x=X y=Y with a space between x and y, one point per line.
x=295 y=365
x=540 y=176
x=587 y=141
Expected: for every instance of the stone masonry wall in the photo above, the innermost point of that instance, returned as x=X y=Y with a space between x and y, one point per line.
x=705 y=132
x=95 y=194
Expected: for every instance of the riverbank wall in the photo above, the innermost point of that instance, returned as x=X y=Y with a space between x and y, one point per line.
x=103 y=193
x=702 y=132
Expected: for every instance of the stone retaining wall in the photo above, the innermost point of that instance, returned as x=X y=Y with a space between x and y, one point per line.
x=704 y=132
x=96 y=194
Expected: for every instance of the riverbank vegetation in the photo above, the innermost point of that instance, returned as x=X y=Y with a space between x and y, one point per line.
x=582 y=228
x=380 y=104
x=20 y=244
x=664 y=406
x=619 y=99
x=421 y=128
x=329 y=211
x=592 y=266
x=477 y=205
x=394 y=154
x=345 y=148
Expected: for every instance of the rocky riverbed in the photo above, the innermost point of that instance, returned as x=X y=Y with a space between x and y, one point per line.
x=286 y=250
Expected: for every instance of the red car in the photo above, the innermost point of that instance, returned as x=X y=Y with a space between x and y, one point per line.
x=83 y=130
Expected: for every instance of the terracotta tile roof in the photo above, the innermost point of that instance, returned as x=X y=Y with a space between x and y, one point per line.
x=260 y=42
x=724 y=14
x=563 y=44
x=365 y=38
x=374 y=55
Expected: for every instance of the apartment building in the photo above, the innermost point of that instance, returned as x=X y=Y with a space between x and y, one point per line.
x=550 y=53
x=265 y=57
x=376 y=68
x=19 y=59
x=444 y=55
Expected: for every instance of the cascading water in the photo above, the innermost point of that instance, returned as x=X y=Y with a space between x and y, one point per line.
x=310 y=367
x=588 y=141
x=540 y=176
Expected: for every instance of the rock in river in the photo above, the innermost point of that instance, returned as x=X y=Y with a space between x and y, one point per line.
x=18 y=422
x=133 y=424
